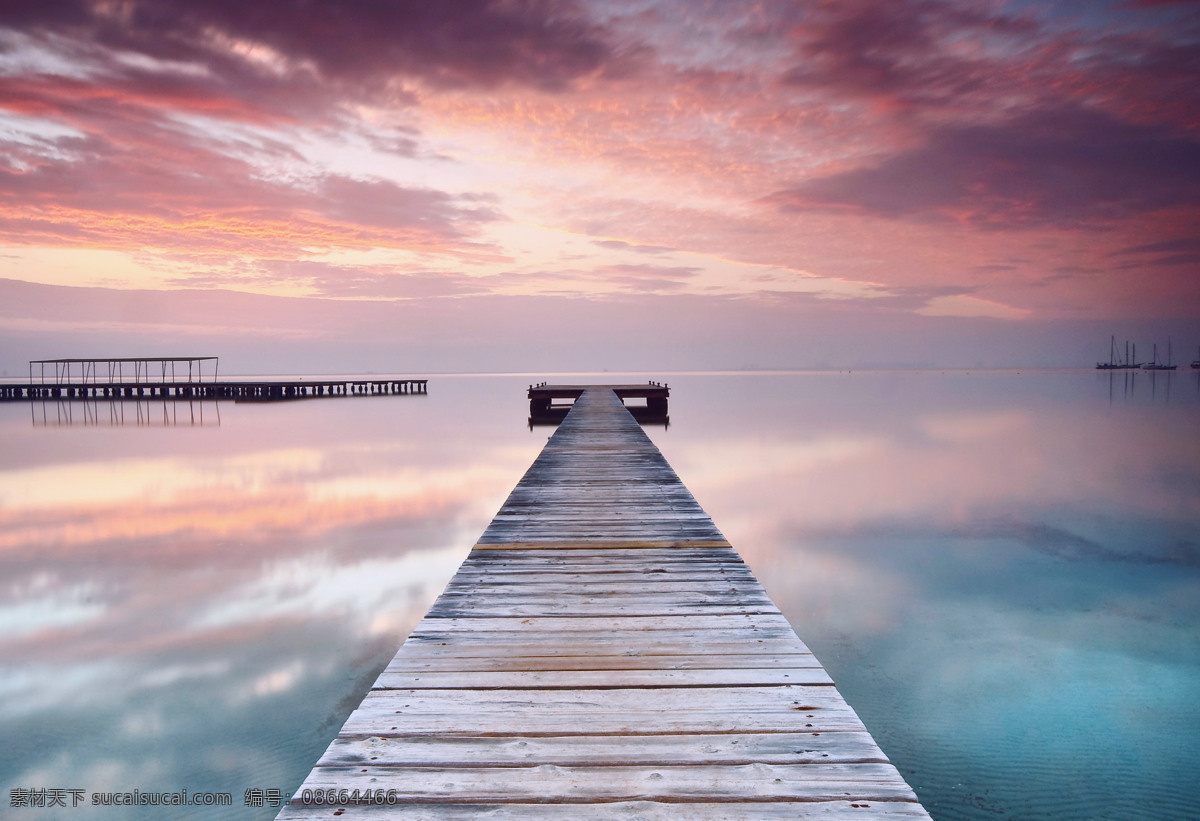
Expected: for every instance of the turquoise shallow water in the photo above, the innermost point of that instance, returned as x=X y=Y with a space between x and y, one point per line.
x=1001 y=571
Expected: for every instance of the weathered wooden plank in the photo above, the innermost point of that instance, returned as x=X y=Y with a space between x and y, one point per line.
x=600 y=604
x=658 y=643
x=787 y=699
x=505 y=659
x=569 y=785
x=644 y=585
x=773 y=640
x=717 y=551
x=547 y=554
x=643 y=609
x=772 y=623
x=591 y=538
x=465 y=593
x=628 y=606
x=591 y=679
x=629 y=712
x=511 y=542
x=634 y=580
x=579 y=751
x=593 y=640
x=648 y=573
x=575 y=603
x=580 y=559
x=842 y=810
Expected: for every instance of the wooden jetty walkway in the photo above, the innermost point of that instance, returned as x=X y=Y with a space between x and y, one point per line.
x=159 y=378
x=543 y=410
x=603 y=653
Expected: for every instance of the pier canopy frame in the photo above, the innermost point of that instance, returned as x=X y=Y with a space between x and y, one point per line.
x=116 y=369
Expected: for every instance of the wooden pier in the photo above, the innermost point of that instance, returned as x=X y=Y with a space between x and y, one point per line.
x=603 y=653
x=544 y=410
x=164 y=378
x=248 y=390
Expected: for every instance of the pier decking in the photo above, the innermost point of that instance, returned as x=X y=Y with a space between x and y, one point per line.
x=603 y=653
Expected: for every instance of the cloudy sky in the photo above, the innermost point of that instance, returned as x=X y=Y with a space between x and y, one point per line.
x=412 y=186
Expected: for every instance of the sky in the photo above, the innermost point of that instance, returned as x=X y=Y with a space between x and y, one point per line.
x=319 y=186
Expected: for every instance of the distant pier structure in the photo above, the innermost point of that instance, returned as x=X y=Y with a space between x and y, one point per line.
x=117 y=370
x=182 y=377
x=545 y=410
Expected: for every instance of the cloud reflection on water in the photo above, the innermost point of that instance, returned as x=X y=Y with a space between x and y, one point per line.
x=203 y=612
x=999 y=570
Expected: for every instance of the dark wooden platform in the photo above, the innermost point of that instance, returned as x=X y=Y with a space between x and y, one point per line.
x=641 y=390
x=544 y=410
x=603 y=653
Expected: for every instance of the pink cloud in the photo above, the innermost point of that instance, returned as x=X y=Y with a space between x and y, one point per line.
x=473 y=43
x=133 y=180
x=324 y=279
x=619 y=245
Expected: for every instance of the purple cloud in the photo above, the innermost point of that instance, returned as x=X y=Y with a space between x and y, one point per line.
x=1173 y=252
x=908 y=51
x=916 y=62
x=1174 y=246
x=1068 y=168
x=467 y=43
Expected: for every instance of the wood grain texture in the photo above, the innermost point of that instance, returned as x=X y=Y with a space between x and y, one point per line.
x=844 y=810
x=604 y=653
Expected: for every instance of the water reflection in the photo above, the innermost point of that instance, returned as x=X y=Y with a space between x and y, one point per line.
x=1000 y=570
x=135 y=412
x=200 y=608
x=1153 y=386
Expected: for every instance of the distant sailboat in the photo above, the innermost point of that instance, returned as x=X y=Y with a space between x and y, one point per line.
x=1196 y=361
x=1111 y=364
x=1155 y=365
x=1115 y=363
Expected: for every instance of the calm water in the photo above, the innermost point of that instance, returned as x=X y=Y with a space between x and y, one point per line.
x=1001 y=570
